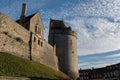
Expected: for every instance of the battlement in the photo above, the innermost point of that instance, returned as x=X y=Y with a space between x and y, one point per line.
x=64 y=32
x=58 y=27
x=57 y=24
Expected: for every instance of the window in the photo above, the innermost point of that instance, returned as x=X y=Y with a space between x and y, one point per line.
x=72 y=51
x=36 y=29
x=38 y=42
x=71 y=42
x=41 y=44
x=34 y=39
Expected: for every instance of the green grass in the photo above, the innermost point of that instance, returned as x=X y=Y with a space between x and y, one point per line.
x=11 y=65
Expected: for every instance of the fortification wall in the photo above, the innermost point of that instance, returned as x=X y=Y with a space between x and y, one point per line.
x=13 y=37
x=66 y=50
x=50 y=55
x=43 y=52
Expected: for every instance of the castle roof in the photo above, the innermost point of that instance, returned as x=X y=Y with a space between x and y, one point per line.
x=26 y=18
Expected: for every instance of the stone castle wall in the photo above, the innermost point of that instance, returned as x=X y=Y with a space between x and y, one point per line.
x=17 y=40
x=13 y=37
x=40 y=50
x=43 y=52
x=66 y=46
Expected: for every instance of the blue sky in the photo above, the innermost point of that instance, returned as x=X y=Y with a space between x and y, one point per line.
x=97 y=23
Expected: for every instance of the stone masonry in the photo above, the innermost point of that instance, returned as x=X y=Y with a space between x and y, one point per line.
x=25 y=38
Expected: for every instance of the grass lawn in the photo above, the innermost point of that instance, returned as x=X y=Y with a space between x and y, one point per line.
x=11 y=65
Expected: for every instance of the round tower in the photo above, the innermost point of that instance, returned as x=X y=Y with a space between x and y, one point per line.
x=66 y=47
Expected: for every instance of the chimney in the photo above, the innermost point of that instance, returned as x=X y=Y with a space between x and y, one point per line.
x=23 y=14
x=23 y=9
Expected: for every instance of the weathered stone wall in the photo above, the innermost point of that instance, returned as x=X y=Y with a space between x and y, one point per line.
x=43 y=52
x=19 y=41
x=66 y=50
x=13 y=37
x=35 y=21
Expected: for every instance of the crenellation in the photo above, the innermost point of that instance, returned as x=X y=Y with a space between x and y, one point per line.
x=65 y=32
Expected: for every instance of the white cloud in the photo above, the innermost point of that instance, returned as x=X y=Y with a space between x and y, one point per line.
x=99 y=60
x=113 y=56
x=96 y=35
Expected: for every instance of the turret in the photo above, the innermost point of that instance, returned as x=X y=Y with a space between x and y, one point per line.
x=66 y=47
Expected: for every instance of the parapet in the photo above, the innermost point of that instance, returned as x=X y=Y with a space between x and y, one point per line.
x=57 y=24
x=64 y=32
x=58 y=27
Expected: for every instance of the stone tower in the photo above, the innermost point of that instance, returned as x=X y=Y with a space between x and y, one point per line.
x=65 y=41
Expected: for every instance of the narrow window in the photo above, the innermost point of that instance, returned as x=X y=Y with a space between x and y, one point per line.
x=38 y=42
x=72 y=51
x=71 y=42
x=35 y=29
x=41 y=44
x=34 y=39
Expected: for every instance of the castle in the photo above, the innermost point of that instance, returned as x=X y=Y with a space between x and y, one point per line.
x=25 y=38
